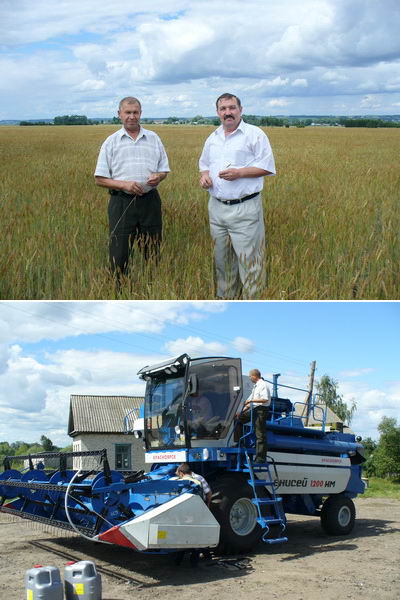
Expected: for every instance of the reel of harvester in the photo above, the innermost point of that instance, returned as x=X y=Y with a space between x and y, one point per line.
x=87 y=500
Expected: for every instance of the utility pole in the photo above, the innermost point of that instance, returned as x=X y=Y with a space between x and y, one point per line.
x=308 y=398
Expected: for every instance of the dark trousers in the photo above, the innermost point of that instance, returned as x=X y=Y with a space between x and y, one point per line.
x=259 y=423
x=133 y=218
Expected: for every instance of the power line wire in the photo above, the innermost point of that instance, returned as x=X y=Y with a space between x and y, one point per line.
x=120 y=325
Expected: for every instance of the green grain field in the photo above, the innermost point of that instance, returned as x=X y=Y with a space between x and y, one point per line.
x=332 y=217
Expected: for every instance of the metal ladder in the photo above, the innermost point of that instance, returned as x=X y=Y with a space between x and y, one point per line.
x=278 y=517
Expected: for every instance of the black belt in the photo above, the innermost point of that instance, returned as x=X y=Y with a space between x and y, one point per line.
x=122 y=193
x=238 y=200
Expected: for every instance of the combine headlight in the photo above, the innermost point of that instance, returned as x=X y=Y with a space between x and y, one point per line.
x=178 y=429
x=138 y=434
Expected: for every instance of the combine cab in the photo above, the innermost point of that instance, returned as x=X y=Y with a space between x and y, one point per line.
x=189 y=416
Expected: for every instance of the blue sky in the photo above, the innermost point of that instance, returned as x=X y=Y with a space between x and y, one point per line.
x=177 y=56
x=50 y=350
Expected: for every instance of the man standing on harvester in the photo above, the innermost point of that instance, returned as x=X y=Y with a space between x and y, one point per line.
x=257 y=403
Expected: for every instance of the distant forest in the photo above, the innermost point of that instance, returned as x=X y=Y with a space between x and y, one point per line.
x=261 y=121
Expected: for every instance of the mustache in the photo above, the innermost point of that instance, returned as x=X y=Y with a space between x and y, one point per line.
x=228 y=117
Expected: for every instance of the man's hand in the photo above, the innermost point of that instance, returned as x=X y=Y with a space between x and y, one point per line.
x=205 y=181
x=229 y=174
x=154 y=179
x=133 y=187
x=245 y=408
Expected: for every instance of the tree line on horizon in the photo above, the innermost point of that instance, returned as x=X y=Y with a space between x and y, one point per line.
x=260 y=121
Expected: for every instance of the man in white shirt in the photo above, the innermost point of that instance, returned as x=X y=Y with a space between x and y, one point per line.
x=131 y=163
x=234 y=161
x=257 y=403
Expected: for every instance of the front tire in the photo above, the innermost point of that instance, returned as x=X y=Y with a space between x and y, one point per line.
x=338 y=515
x=237 y=515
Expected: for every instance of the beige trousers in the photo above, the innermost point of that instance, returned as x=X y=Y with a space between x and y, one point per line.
x=239 y=247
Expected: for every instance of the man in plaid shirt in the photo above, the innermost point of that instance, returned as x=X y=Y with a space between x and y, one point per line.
x=131 y=163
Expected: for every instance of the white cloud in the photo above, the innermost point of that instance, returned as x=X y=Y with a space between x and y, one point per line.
x=373 y=403
x=370 y=101
x=334 y=77
x=183 y=48
x=210 y=306
x=178 y=102
x=91 y=85
x=243 y=345
x=278 y=102
x=356 y=372
x=277 y=82
x=301 y=82
x=34 y=397
x=194 y=346
x=30 y=321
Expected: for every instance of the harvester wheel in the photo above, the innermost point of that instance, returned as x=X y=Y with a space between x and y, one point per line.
x=232 y=507
x=338 y=515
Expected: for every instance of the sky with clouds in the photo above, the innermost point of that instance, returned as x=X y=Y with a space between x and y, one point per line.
x=279 y=56
x=50 y=350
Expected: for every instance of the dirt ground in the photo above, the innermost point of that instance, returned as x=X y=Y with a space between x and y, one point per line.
x=310 y=566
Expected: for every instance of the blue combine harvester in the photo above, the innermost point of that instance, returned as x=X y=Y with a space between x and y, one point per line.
x=189 y=416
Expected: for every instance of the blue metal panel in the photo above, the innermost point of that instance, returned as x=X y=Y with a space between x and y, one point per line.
x=355 y=485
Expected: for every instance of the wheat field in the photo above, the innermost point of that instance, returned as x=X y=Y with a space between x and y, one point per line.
x=332 y=217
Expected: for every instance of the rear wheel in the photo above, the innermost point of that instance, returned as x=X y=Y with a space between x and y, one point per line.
x=338 y=515
x=237 y=515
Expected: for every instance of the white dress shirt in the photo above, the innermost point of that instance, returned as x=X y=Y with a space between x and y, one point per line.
x=260 y=395
x=125 y=159
x=247 y=146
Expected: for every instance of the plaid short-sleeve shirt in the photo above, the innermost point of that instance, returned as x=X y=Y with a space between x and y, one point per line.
x=125 y=159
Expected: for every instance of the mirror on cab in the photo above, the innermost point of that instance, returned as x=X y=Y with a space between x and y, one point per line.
x=193 y=385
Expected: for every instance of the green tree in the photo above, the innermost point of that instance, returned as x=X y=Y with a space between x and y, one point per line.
x=387 y=455
x=28 y=449
x=40 y=123
x=47 y=444
x=370 y=447
x=17 y=445
x=71 y=120
x=5 y=450
x=327 y=389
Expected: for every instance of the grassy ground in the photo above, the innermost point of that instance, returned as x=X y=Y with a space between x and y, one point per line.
x=382 y=488
x=331 y=215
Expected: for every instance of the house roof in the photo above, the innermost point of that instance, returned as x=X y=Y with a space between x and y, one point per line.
x=101 y=414
x=316 y=418
x=331 y=417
